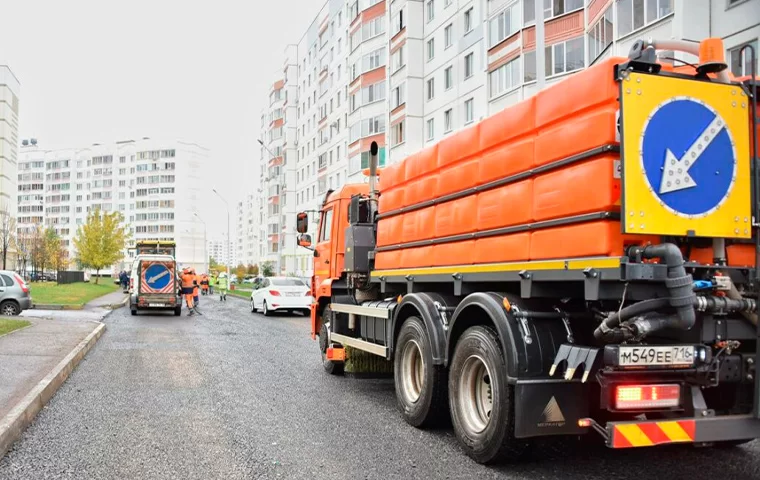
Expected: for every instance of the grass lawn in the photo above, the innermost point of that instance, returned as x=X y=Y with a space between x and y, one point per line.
x=50 y=293
x=8 y=325
x=240 y=293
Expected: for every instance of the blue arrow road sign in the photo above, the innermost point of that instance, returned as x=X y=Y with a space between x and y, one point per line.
x=158 y=276
x=688 y=156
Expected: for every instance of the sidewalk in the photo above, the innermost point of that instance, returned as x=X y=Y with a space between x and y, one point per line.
x=34 y=362
x=111 y=300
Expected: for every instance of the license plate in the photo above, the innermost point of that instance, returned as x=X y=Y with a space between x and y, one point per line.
x=292 y=294
x=656 y=356
x=156 y=305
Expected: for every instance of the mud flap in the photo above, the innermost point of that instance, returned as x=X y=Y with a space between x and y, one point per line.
x=575 y=356
x=550 y=407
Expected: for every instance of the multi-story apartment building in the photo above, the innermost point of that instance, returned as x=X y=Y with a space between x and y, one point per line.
x=10 y=91
x=414 y=71
x=220 y=250
x=246 y=248
x=277 y=169
x=367 y=82
x=155 y=185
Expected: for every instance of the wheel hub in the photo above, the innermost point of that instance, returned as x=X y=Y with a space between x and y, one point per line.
x=412 y=371
x=475 y=394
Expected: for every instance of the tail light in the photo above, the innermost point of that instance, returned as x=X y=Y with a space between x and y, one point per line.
x=131 y=283
x=637 y=397
x=274 y=293
x=307 y=293
x=21 y=283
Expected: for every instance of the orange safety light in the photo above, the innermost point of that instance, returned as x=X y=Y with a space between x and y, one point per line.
x=711 y=56
x=637 y=397
x=336 y=354
x=507 y=305
x=584 y=422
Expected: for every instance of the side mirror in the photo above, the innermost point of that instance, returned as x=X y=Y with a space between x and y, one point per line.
x=304 y=240
x=302 y=222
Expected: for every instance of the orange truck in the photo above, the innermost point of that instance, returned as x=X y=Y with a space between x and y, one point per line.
x=584 y=261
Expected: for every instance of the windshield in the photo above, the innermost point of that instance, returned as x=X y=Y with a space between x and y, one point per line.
x=287 y=282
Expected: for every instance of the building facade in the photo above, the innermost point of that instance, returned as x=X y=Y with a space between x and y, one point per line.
x=406 y=73
x=219 y=251
x=155 y=185
x=245 y=249
x=10 y=91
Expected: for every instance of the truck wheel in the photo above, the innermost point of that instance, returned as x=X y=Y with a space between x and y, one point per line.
x=134 y=311
x=482 y=409
x=420 y=385
x=178 y=310
x=331 y=367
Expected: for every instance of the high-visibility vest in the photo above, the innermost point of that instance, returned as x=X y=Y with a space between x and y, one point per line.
x=187 y=280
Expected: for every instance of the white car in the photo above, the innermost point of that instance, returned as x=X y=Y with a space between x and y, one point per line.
x=277 y=294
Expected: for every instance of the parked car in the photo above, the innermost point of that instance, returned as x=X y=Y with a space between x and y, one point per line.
x=277 y=294
x=15 y=296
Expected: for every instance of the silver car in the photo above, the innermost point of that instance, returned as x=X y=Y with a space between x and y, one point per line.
x=15 y=296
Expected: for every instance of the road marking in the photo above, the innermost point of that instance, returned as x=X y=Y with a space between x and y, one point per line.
x=676 y=176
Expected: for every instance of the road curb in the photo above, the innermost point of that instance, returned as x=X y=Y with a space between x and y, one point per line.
x=42 y=306
x=23 y=414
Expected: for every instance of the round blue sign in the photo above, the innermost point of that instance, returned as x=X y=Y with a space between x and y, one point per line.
x=688 y=156
x=158 y=276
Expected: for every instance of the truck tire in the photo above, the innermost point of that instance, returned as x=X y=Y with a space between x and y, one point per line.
x=331 y=367
x=481 y=400
x=420 y=386
x=178 y=310
x=134 y=311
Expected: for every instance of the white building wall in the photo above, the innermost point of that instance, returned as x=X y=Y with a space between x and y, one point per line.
x=10 y=91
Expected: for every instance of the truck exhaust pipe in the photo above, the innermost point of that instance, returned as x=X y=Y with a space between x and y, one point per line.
x=373 y=150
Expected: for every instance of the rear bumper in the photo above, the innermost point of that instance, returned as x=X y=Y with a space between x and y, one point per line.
x=686 y=430
x=25 y=303
x=290 y=303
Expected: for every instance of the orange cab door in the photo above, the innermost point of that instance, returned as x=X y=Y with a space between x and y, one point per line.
x=323 y=252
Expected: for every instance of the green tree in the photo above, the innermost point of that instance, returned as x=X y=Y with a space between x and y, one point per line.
x=212 y=264
x=254 y=270
x=100 y=242
x=267 y=269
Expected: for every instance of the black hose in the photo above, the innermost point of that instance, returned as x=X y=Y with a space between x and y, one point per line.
x=639 y=308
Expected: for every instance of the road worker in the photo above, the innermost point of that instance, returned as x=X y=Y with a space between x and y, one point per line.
x=188 y=290
x=196 y=289
x=221 y=285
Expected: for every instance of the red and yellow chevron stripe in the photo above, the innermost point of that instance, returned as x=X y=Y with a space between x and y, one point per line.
x=647 y=434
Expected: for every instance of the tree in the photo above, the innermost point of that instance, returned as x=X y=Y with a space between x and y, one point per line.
x=240 y=272
x=267 y=269
x=100 y=242
x=24 y=246
x=252 y=270
x=212 y=263
x=7 y=234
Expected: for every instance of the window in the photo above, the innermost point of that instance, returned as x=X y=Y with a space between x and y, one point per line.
x=398 y=97
x=430 y=129
x=448 y=35
x=600 y=36
x=448 y=76
x=504 y=25
x=430 y=49
x=397 y=133
x=504 y=78
x=397 y=58
x=469 y=65
x=552 y=8
x=529 y=66
x=430 y=10
x=468 y=19
x=635 y=14
x=397 y=22
x=326 y=226
x=739 y=63
x=431 y=88
x=447 y=121
x=560 y=58
x=469 y=113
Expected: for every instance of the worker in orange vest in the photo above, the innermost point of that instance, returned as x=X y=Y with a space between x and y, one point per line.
x=196 y=291
x=189 y=290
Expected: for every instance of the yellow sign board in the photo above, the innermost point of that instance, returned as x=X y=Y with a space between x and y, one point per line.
x=686 y=160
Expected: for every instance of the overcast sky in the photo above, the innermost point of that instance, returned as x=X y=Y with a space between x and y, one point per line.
x=104 y=70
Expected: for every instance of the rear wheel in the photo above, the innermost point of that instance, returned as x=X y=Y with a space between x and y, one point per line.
x=134 y=311
x=253 y=307
x=265 y=310
x=9 y=309
x=420 y=385
x=482 y=408
x=331 y=367
x=178 y=310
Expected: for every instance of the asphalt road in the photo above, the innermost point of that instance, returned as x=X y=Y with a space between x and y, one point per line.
x=237 y=395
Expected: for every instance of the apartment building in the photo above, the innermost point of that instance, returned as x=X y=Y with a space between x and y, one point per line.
x=10 y=90
x=437 y=74
x=277 y=169
x=155 y=185
x=246 y=247
x=219 y=251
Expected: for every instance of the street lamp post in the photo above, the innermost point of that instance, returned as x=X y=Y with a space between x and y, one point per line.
x=279 y=246
x=205 y=241
x=229 y=247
